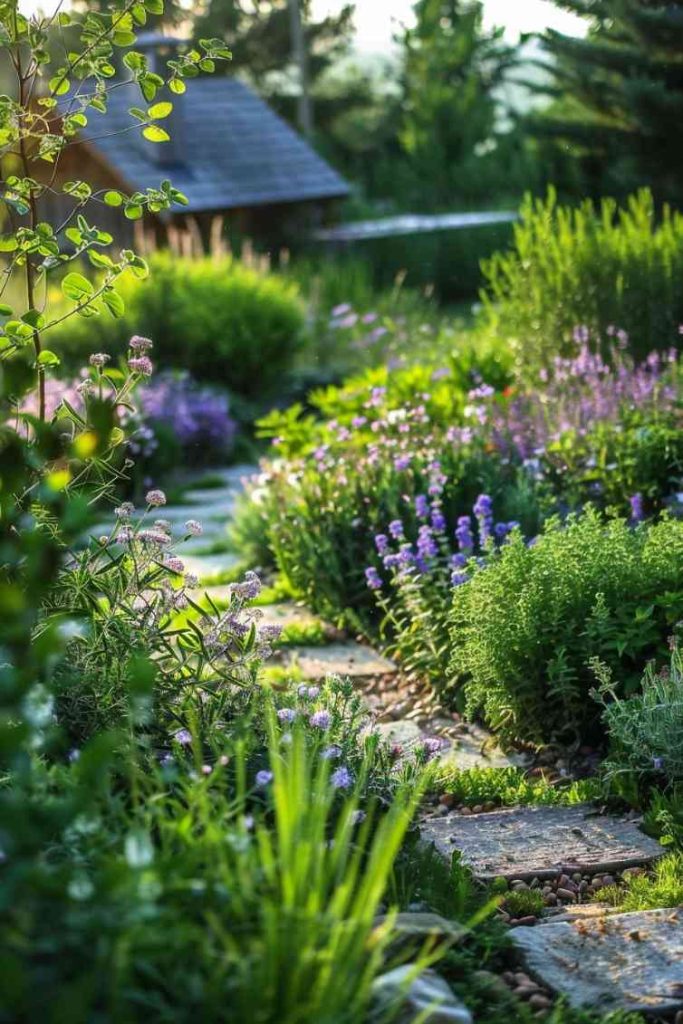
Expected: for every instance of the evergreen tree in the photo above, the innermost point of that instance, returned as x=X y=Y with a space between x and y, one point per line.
x=452 y=69
x=619 y=94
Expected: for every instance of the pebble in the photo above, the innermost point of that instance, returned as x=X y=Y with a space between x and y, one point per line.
x=540 y=1002
x=566 y=894
x=524 y=922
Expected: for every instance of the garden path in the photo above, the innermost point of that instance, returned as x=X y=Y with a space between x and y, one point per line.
x=592 y=956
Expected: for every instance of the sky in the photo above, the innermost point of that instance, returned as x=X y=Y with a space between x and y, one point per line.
x=377 y=20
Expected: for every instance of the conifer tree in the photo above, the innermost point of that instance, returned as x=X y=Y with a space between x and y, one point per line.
x=619 y=94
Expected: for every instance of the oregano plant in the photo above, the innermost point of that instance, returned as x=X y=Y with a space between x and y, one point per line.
x=64 y=67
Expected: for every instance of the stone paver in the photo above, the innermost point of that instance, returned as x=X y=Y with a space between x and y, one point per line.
x=342 y=659
x=467 y=750
x=530 y=842
x=624 y=961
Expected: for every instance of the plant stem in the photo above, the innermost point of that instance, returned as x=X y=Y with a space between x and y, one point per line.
x=33 y=222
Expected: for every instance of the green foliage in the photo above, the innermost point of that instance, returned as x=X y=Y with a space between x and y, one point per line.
x=304 y=634
x=223 y=322
x=506 y=787
x=663 y=887
x=646 y=730
x=617 y=102
x=524 y=903
x=79 y=59
x=452 y=68
x=445 y=263
x=525 y=628
x=598 y=267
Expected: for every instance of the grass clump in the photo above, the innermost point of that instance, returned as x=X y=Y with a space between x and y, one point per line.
x=661 y=888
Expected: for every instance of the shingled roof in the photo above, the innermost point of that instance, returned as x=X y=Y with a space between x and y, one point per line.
x=232 y=150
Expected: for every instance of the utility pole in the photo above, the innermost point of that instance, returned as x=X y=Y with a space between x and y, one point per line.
x=300 y=56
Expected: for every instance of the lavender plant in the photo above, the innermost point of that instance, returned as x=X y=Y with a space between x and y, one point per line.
x=645 y=730
x=415 y=593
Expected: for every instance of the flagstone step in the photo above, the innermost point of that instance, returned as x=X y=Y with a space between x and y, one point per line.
x=541 y=842
x=348 y=660
x=472 y=749
x=622 y=961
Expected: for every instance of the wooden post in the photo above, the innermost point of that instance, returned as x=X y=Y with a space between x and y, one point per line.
x=304 y=109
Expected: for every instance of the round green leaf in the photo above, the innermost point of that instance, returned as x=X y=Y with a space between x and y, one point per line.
x=48 y=358
x=160 y=110
x=113 y=198
x=155 y=134
x=76 y=287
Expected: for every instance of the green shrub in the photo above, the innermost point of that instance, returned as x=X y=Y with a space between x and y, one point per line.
x=217 y=319
x=598 y=267
x=525 y=628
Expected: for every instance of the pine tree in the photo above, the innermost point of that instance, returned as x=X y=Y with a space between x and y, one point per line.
x=619 y=94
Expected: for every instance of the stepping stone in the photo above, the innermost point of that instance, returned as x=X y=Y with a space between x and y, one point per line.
x=624 y=961
x=528 y=842
x=341 y=659
x=468 y=750
x=475 y=748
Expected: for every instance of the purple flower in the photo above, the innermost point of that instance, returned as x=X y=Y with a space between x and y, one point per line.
x=263 y=778
x=373 y=578
x=637 y=512
x=658 y=763
x=458 y=578
x=183 y=736
x=286 y=714
x=141 y=365
x=155 y=498
x=320 y=720
x=99 y=359
x=331 y=753
x=341 y=778
x=140 y=344
x=194 y=527
x=382 y=543
x=422 y=506
x=426 y=545
x=438 y=520
x=463 y=533
x=483 y=510
x=396 y=529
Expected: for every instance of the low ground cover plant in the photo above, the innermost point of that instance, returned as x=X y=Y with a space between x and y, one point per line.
x=525 y=628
